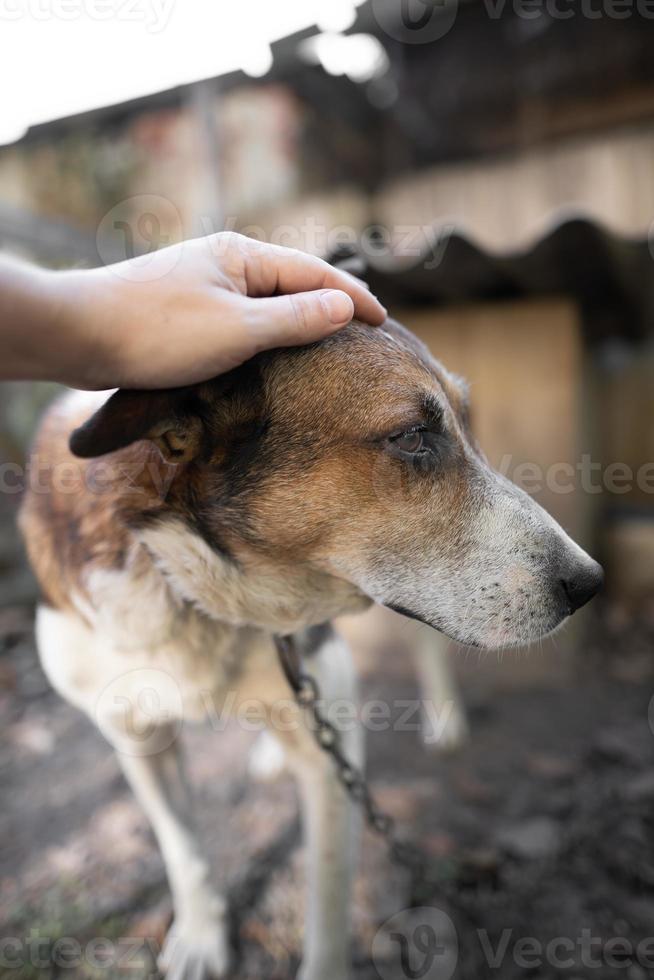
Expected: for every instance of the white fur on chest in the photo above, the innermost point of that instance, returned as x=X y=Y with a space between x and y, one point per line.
x=135 y=630
x=182 y=623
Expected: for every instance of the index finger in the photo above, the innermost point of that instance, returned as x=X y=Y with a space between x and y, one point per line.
x=273 y=269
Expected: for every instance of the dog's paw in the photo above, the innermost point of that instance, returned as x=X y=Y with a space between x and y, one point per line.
x=201 y=955
x=449 y=732
x=267 y=760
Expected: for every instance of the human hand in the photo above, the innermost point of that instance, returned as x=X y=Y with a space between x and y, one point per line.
x=188 y=312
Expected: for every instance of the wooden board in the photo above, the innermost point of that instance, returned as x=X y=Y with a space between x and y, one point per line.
x=524 y=363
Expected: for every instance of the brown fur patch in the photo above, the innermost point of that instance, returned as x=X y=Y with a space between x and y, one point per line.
x=77 y=513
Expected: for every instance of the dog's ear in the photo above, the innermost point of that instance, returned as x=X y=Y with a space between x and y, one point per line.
x=171 y=419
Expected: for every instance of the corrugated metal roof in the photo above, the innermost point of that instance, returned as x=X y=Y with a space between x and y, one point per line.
x=611 y=277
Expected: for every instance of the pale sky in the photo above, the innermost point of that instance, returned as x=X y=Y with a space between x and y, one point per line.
x=59 y=57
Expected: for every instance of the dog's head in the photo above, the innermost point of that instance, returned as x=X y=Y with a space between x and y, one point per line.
x=311 y=480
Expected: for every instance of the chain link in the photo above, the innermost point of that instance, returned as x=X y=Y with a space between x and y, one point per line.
x=307 y=695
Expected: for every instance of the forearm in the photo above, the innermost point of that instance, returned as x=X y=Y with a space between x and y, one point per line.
x=38 y=333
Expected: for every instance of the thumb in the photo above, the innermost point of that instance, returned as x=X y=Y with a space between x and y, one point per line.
x=299 y=318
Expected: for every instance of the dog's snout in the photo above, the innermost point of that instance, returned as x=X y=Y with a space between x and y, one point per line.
x=582 y=585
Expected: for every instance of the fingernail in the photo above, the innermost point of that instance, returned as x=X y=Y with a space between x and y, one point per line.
x=338 y=306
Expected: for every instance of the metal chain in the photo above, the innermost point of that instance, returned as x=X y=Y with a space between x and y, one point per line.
x=328 y=737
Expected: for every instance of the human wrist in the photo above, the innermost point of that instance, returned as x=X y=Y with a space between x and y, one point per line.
x=27 y=315
x=79 y=328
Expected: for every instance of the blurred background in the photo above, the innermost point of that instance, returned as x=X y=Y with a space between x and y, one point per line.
x=491 y=166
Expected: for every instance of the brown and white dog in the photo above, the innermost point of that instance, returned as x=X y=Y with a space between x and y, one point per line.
x=305 y=484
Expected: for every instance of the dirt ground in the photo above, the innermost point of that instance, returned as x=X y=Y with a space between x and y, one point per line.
x=540 y=830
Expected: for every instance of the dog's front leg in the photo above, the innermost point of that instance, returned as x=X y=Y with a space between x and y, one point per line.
x=444 y=721
x=331 y=823
x=197 y=945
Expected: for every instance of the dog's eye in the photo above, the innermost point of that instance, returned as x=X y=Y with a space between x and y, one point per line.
x=410 y=442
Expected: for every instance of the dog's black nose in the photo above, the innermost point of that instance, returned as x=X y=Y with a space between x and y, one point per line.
x=583 y=585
